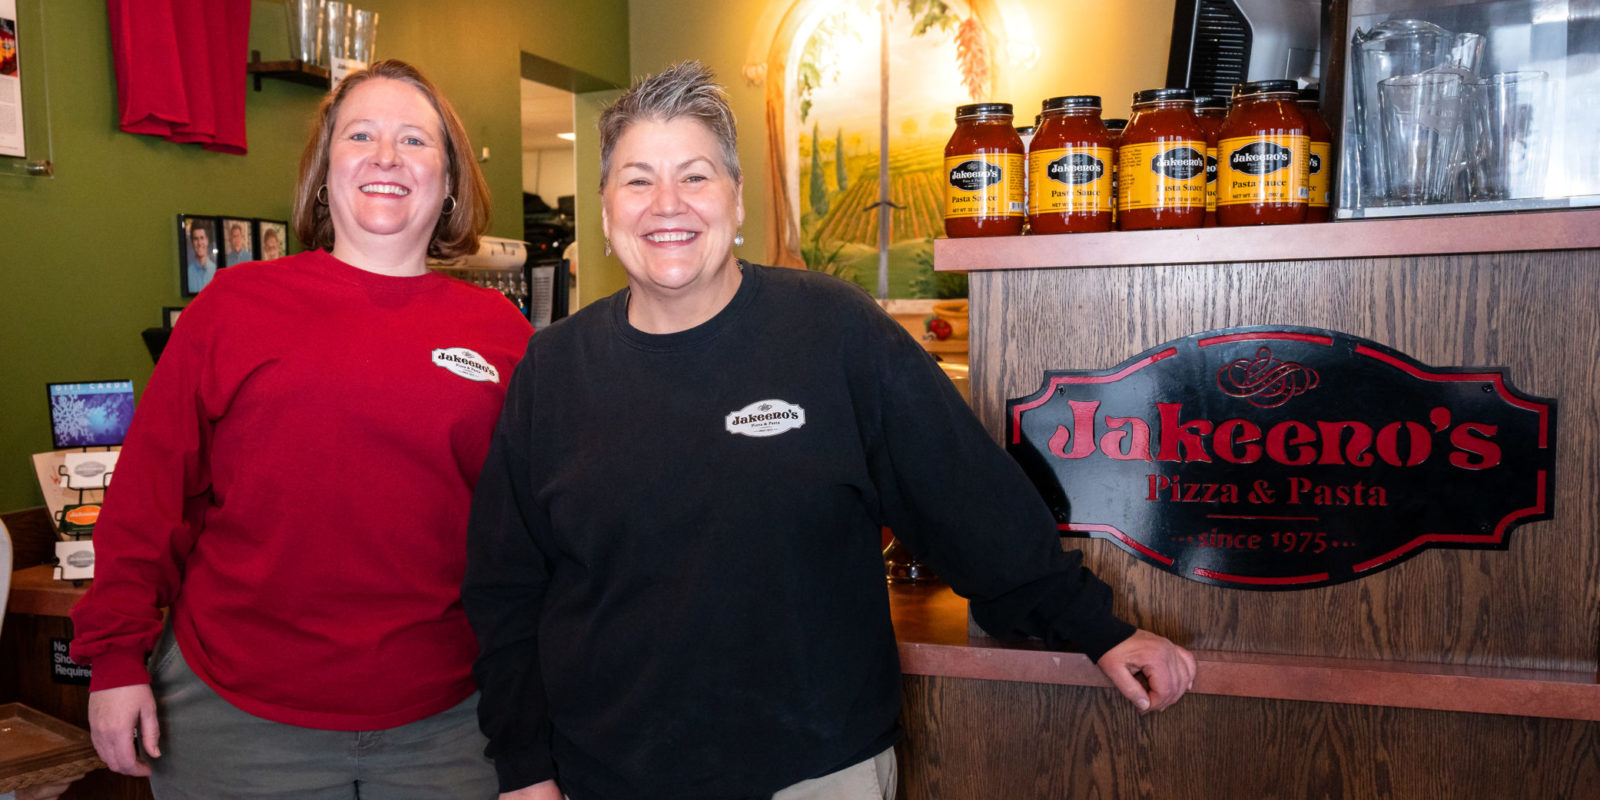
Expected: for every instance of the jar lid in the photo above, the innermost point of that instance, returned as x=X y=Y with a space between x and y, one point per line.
x=1027 y=131
x=1311 y=94
x=1211 y=101
x=1116 y=124
x=983 y=110
x=1162 y=96
x=1266 y=87
x=1073 y=101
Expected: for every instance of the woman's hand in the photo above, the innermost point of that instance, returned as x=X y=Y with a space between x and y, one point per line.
x=538 y=791
x=114 y=716
x=1167 y=669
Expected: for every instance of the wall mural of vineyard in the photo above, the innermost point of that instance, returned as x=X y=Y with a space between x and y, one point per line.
x=937 y=60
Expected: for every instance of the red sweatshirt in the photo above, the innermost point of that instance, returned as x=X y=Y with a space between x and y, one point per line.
x=295 y=486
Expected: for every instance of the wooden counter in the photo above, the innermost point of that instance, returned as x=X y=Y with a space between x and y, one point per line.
x=1460 y=673
x=37 y=612
x=36 y=591
x=931 y=625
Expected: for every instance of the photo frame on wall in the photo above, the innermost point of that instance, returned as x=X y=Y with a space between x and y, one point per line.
x=199 y=251
x=272 y=239
x=238 y=241
x=169 y=316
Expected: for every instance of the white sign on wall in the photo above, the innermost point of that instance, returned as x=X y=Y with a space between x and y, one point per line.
x=11 y=139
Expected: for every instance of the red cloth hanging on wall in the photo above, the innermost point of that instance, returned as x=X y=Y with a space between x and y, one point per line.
x=181 y=69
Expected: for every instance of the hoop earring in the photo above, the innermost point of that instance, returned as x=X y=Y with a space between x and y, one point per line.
x=608 y=247
x=322 y=195
x=738 y=239
x=452 y=209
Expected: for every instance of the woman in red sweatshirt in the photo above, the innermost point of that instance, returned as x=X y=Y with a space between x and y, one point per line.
x=292 y=498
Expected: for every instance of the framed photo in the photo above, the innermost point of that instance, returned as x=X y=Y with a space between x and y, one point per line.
x=199 y=250
x=169 y=316
x=272 y=239
x=238 y=241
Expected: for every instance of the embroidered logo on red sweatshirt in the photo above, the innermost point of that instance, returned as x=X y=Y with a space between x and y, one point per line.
x=466 y=363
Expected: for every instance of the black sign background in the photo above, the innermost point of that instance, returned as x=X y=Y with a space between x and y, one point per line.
x=62 y=668
x=1456 y=456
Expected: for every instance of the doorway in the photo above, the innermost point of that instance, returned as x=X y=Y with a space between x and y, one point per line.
x=549 y=189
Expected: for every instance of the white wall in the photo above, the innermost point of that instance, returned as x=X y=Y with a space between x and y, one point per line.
x=549 y=173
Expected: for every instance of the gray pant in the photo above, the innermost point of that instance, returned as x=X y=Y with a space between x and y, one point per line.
x=212 y=750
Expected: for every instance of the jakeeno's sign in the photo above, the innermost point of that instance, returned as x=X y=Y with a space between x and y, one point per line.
x=1285 y=457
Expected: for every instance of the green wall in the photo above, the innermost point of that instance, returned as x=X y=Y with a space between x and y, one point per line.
x=719 y=33
x=89 y=258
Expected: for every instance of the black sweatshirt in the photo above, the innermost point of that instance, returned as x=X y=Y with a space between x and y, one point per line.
x=676 y=584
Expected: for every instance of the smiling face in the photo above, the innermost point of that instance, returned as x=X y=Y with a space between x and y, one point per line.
x=236 y=237
x=386 y=175
x=271 y=244
x=200 y=241
x=671 y=210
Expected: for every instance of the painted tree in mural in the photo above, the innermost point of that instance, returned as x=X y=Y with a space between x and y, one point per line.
x=974 y=58
x=938 y=60
x=838 y=161
x=819 y=190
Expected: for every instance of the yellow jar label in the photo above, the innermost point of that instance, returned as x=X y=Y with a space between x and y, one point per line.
x=1211 y=179
x=1115 y=159
x=1166 y=174
x=1321 y=174
x=986 y=185
x=1070 y=180
x=1263 y=169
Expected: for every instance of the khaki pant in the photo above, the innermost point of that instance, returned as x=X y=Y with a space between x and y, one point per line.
x=873 y=779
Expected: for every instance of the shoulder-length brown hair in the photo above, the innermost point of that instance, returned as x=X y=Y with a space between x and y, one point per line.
x=456 y=233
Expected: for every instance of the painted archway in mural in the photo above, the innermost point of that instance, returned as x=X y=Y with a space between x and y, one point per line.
x=860 y=98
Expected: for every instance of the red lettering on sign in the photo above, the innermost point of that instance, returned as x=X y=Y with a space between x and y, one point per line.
x=1081 y=435
x=1291 y=434
x=1137 y=439
x=1487 y=453
x=1238 y=432
x=1185 y=436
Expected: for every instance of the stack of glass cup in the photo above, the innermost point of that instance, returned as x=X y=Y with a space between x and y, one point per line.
x=1434 y=130
x=323 y=31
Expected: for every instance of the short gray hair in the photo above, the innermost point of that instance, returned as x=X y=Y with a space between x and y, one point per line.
x=686 y=89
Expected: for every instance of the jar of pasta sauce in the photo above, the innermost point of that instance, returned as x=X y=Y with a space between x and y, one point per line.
x=1115 y=126
x=1161 y=164
x=983 y=165
x=1263 y=156
x=1320 y=172
x=1210 y=111
x=1069 y=168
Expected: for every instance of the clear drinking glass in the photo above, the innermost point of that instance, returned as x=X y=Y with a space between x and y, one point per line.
x=363 y=34
x=335 y=32
x=1422 y=123
x=1393 y=48
x=305 y=29
x=1511 y=132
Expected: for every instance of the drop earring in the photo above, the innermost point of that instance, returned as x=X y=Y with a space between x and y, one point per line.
x=738 y=239
x=608 y=247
